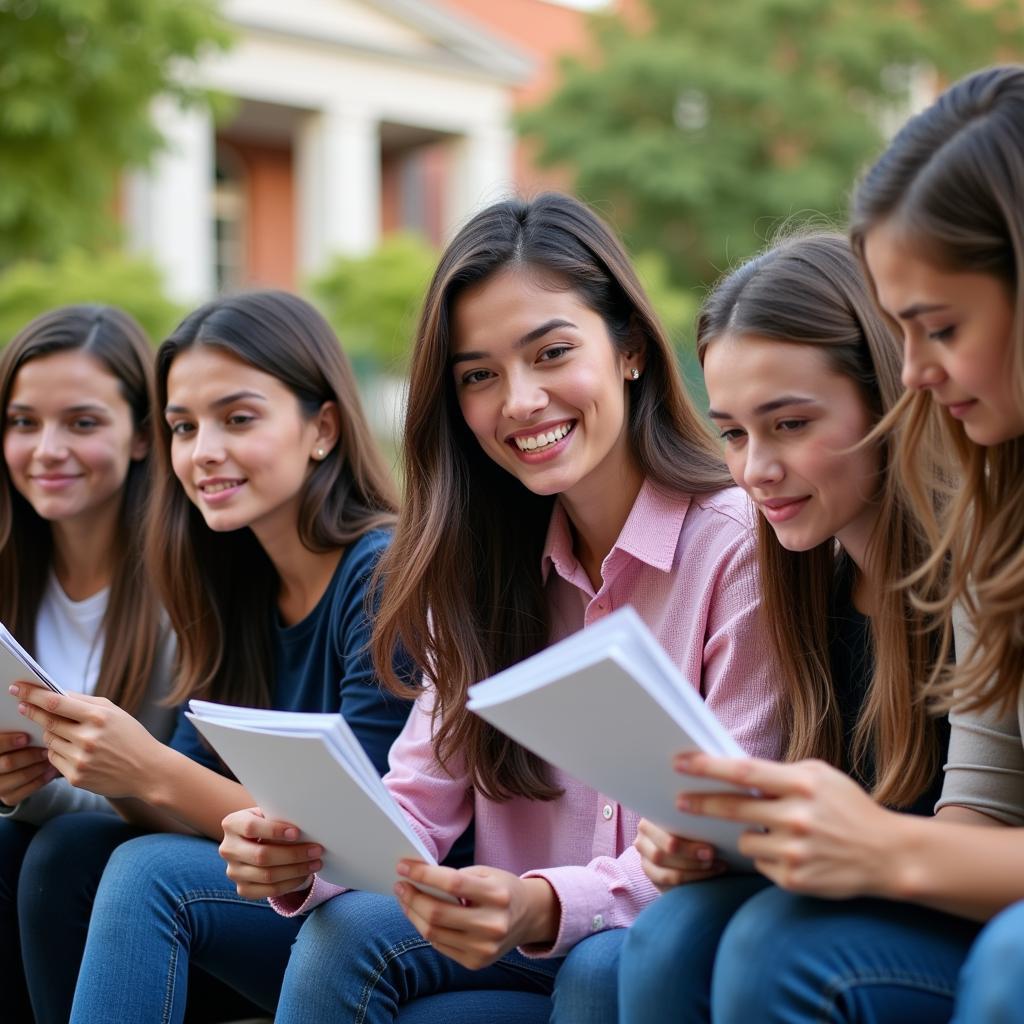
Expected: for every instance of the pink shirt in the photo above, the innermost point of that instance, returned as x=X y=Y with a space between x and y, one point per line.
x=688 y=567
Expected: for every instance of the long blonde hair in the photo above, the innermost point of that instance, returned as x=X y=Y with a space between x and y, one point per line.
x=952 y=181
x=810 y=290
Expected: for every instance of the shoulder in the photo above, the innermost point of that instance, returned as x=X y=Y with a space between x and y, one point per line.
x=362 y=555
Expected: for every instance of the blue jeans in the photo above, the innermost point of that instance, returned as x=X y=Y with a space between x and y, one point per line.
x=165 y=905
x=359 y=960
x=48 y=877
x=992 y=979
x=788 y=959
x=668 y=955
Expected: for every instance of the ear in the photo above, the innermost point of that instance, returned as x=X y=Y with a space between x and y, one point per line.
x=328 y=429
x=636 y=357
x=142 y=442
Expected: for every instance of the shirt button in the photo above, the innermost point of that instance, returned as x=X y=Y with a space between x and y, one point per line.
x=597 y=923
x=607 y=811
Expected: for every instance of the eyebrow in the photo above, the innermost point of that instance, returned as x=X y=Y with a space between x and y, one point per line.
x=21 y=407
x=235 y=396
x=767 y=407
x=920 y=307
x=526 y=339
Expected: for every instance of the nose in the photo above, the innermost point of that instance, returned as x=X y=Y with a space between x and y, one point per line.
x=208 y=447
x=762 y=466
x=523 y=397
x=51 y=446
x=920 y=370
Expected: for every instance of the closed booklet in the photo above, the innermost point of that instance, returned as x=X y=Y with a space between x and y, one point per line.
x=17 y=665
x=608 y=707
x=311 y=771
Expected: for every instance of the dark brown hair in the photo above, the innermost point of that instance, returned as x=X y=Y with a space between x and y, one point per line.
x=951 y=182
x=462 y=581
x=220 y=588
x=810 y=290
x=131 y=624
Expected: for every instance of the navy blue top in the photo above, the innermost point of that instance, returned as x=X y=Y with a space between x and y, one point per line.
x=323 y=663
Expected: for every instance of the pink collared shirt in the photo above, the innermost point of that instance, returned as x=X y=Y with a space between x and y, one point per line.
x=688 y=567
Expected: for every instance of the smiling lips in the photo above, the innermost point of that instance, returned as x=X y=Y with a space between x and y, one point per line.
x=219 y=488
x=779 y=510
x=542 y=439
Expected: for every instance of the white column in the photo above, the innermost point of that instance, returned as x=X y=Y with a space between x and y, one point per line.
x=338 y=157
x=170 y=205
x=483 y=172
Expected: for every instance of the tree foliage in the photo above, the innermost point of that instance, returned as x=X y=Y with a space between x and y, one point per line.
x=77 y=78
x=372 y=301
x=716 y=122
x=28 y=288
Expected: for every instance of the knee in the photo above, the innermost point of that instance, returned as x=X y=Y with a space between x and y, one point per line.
x=992 y=979
x=586 y=986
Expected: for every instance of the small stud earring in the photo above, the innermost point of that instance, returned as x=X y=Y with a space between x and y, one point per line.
x=320 y=453
x=634 y=373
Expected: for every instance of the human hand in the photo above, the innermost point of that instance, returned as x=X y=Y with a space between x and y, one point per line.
x=669 y=860
x=824 y=835
x=23 y=769
x=92 y=742
x=496 y=911
x=267 y=858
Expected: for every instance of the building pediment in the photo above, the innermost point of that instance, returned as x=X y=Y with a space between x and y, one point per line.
x=403 y=30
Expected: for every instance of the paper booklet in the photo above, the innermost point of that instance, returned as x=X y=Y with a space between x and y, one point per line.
x=311 y=771
x=17 y=665
x=608 y=707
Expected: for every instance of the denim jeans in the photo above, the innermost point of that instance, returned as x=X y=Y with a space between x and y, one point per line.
x=359 y=960
x=788 y=959
x=48 y=878
x=992 y=980
x=668 y=955
x=165 y=905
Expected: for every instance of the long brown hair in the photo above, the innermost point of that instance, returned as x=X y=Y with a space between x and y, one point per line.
x=131 y=623
x=462 y=581
x=810 y=290
x=951 y=182
x=220 y=588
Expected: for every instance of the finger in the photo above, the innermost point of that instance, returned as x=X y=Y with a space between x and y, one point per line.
x=22 y=784
x=61 y=705
x=674 y=851
x=272 y=875
x=770 y=777
x=19 y=759
x=251 y=824
x=437 y=877
x=268 y=855
x=670 y=878
x=49 y=722
x=434 y=912
x=255 y=891
x=13 y=741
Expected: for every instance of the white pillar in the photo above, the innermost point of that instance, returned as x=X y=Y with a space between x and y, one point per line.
x=338 y=157
x=483 y=172
x=170 y=205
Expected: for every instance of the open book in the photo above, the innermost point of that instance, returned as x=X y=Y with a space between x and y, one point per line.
x=608 y=707
x=17 y=665
x=311 y=771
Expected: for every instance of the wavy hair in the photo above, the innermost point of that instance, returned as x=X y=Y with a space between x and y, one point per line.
x=951 y=182
x=462 y=588
x=132 y=621
x=810 y=290
x=219 y=589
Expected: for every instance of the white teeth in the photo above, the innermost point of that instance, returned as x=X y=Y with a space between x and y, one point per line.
x=542 y=440
x=217 y=488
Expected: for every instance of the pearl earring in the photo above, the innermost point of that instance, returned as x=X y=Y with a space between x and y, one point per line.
x=634 y=373
x=320 y=453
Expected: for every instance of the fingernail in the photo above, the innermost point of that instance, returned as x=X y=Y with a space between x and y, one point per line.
x=705 y=854
x=21 y=741
x=22 y=709
x=13 y=690
x=403 y=868
x=315 y=865
x=683 y=803
x=291 y=833
x=312 y=852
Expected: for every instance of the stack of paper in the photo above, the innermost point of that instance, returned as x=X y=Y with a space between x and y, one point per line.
x=17 y=665
x=311 y=771
x=608 y=707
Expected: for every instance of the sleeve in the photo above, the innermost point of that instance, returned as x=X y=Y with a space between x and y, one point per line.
x=56 y=797
x=985 y=767
x=375 y=716
x=740 y=679
x=609 y=892
x=436 y=801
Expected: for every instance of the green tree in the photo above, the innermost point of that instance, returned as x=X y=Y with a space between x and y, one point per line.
x=77 y=78
x=28 y=288
x=703 y=131
x=372 y=301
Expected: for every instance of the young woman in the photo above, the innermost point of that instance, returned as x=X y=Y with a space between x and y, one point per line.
x=75 y=388
x=555 y=470
x=270 y=511
x=799 y=366
x=940 y=225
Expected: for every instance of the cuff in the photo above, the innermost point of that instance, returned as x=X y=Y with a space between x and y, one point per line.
x=294 y=904
x=7 y=811
x=585 y=903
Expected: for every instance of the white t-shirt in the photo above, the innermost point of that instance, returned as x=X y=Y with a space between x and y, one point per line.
x=69 y=636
